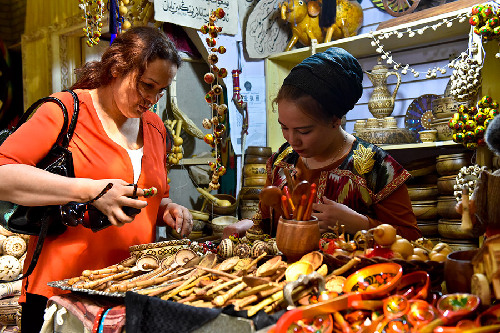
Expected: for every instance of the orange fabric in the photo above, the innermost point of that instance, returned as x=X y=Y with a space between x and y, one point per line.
x=95 y=156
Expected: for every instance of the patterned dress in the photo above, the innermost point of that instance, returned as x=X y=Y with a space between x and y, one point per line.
x=366 y=179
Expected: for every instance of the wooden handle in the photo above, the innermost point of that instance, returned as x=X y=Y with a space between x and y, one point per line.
x=466 y=220
x=222 y=299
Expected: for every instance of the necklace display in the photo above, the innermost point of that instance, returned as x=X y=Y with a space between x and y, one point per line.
x=337 y=154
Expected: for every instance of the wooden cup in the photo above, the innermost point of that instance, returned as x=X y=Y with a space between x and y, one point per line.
x=296 y=238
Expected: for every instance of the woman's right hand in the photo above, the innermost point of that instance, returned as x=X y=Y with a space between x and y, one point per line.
x=112 y=202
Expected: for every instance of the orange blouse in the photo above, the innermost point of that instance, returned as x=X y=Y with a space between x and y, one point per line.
x=95 y=156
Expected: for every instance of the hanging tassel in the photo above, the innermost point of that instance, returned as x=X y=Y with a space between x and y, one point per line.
x=328 y=13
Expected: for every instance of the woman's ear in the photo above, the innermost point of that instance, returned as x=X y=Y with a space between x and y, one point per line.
x=336 y=122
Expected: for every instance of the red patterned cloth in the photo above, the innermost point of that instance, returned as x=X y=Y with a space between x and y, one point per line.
x=91 y=309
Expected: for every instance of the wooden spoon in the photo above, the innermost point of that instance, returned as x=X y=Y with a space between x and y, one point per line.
x=304 y=187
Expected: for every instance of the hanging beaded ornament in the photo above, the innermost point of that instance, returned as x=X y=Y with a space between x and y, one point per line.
x=485 y=20
x=218 y=110
x=465 y=79
x=377 y=38
x=470 y=123
x=468 y=175
x=93 y=11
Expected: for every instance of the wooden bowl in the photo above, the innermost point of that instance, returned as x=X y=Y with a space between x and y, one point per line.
x=444 y=132
x=376 y=280
x=425 y=210
x=254 y=159
x=428 y=228
x=423 y=171
x=428 y=135
x=451 y=164
x=446 y=207
x=458 y=271
x=296 y=238
x=159 y=249
x=255 y=170
x=254 y=181
x=419 y=193
x=445 y=184
x=461 y=244
x=219 y=223
x=259 y=151
x=451 y=229
x=222 y=210
x=250 y=193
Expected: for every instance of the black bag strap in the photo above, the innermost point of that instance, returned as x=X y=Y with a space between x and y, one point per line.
x=65 y=136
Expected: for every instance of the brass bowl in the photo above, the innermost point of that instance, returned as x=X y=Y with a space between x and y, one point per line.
x=446 y=207
x=451 y=229
x=445 y=184
x=451 y=164
x=445 y=105
x=428 y=228
x=425 y=210
x=427 y=192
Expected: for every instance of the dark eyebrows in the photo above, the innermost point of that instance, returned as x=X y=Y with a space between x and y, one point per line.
x=297 y=128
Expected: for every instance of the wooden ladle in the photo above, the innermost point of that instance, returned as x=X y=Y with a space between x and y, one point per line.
x=271 y=197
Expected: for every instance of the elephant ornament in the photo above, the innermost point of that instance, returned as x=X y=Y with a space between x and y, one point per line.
x=304 y=19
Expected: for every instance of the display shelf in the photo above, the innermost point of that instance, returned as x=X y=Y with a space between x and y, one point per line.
x=432 y=145
x=277 y=66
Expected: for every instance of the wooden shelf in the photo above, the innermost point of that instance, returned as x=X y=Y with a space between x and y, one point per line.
x=278 y=66
x=197 y=160
x=432 y=145
x=360 y=45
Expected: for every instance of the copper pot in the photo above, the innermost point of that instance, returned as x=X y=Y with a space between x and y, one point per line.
x=296 y=238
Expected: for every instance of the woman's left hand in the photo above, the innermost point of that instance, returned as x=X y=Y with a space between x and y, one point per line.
x=331 y=213
x=178 y=218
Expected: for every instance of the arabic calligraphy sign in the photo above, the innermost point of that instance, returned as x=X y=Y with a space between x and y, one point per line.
x=195 y=13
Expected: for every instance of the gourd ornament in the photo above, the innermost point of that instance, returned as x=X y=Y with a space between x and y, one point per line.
x=175 y=127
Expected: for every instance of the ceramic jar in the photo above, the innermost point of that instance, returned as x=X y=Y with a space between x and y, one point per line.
x=296 y=238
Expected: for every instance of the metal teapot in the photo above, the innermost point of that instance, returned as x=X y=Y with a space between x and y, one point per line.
x=381 y=102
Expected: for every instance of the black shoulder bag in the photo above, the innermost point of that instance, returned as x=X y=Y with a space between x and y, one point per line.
x=42 y=220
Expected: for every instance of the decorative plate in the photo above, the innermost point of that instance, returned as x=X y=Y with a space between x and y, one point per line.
x=417 y=108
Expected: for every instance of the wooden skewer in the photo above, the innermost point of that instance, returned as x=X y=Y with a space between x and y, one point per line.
x=284 y=207
x=217 y=272
x=222 y=299
x=301 y=208
x=108 y=270
x=223 y=285
x=160 y=290
x=341 y=270
x=310 y=201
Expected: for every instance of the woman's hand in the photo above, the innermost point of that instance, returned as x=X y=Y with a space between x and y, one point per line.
x=112 y=202
x=331 y=213
x=239 y=228
x=178 y=218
